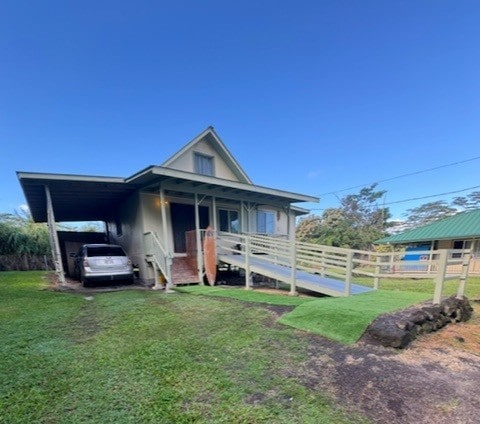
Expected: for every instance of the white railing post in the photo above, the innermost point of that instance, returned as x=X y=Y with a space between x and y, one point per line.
x=463 y=275
x=293 y=261
x=348 y=274
x=376 y=279
x=198 y=238
x=322 y=264
x=440 y=277
x=247 y=263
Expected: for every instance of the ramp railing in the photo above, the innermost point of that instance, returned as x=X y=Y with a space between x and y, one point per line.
x=344 y=264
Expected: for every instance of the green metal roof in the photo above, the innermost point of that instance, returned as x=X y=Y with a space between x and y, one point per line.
x=464 y=225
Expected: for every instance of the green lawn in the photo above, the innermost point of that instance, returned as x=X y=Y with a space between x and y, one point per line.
x=142 y=356
x=345 y=319
x=240 y=293
x=425 y=285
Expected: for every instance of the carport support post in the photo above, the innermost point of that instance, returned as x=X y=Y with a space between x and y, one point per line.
x=52 y=231
x=199 y=242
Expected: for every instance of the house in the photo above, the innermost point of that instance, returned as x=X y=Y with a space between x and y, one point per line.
x=158 y=213
x=458 y=232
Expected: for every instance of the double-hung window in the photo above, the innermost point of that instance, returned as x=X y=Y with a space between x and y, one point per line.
x=265 y=222
x=203 y=164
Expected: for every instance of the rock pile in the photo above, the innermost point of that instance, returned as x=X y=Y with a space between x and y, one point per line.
x=400 y=328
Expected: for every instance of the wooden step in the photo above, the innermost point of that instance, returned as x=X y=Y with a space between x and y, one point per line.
x=183 y=272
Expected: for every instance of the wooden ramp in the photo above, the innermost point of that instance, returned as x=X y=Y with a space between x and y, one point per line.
x=261 y=264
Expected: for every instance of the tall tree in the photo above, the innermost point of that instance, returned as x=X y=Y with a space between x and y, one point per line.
x=428 y=213
x=356 y=224
x=469 y=202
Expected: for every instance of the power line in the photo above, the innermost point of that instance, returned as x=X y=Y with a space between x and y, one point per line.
x=402 y=176
x=432 y=195
x=422 y=197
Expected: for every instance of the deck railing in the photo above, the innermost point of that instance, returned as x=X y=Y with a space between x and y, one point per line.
x=159 y=255
x=344 y=264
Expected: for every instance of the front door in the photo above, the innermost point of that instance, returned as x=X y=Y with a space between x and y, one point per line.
x=183 y=220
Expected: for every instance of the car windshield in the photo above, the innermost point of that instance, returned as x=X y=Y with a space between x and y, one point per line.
x=105 y=251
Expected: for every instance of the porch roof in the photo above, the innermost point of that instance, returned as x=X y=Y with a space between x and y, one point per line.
x=94 y=198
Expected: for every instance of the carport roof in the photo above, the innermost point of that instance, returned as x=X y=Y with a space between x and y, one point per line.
x=95 y=198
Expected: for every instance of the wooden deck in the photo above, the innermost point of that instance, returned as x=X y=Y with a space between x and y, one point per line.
x=313 y=282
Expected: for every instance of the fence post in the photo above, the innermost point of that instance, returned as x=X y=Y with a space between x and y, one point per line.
x=247 y=263
x=322 y=263
x=376 y=279
x=392 y=262
x=293 y=257
x=463 y=275
x=440 y=277
x=348 y=275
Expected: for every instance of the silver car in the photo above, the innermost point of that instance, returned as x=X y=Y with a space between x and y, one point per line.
x=102 y=262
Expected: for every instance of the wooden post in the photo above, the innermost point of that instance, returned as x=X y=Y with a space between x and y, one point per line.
x=163 y=210
x=247 y=263
x=463 y=275
x=199 y=242
x=392 y=261
x=348 y=275
x=293 y=276
x=440 y=277
x=55 y=245
x=322 y=263
x=376 y=279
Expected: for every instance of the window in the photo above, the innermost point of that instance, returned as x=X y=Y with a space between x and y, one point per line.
x=203 y=164
x=265 y=222
x=460 y=245
x=228 y=221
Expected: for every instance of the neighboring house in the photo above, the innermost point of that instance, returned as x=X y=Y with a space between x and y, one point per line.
x=459 y=232
x=158 y=211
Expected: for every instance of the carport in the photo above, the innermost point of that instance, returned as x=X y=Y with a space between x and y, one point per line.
x=71 y=198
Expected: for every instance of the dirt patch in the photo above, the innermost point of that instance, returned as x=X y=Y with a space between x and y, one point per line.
x=75 y=286
x=435 y=380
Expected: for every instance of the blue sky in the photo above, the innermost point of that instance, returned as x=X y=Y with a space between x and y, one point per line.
x=309 y=96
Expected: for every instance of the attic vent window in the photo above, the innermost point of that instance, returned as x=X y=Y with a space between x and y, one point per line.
x=203 y=164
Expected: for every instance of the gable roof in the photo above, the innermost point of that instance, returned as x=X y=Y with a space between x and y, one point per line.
x=461 y=226
x=212 y=137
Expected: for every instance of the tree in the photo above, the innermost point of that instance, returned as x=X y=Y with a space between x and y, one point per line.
x=428 y=213
x=469 y=202
x=356 y=224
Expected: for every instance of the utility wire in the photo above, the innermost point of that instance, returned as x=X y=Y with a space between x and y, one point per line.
x=402 y=176
x=421 y=198
x=432 y=195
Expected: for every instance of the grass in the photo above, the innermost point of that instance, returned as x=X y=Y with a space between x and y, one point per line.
x=240 y=293
x=344 y=319
x=141 y=356
x=425 y=285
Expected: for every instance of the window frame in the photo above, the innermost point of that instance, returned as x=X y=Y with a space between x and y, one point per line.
x=229 y=220
x=203 y=156
x=272 y=222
